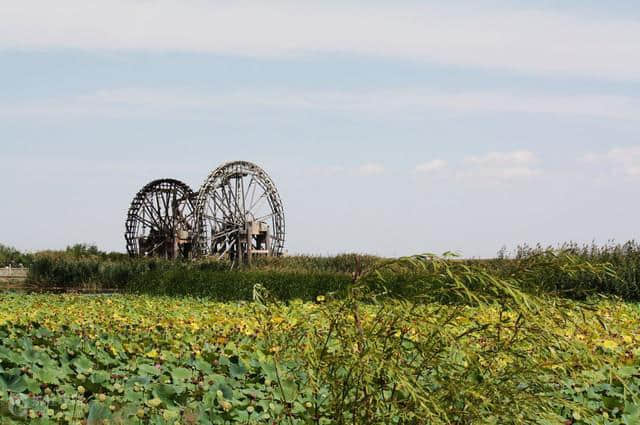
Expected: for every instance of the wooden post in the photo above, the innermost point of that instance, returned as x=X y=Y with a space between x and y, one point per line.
x=249 y=230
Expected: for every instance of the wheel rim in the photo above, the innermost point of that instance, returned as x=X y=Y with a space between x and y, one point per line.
x=160 y=220
x=237 y=196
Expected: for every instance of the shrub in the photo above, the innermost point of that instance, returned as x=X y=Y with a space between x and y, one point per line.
x=10 y=256
x=571 y=271
x=162 y=277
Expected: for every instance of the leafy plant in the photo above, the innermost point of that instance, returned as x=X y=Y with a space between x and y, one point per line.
x=10 y=256
x=361 y=358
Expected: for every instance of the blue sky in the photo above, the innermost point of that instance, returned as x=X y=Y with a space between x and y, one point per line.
x=389 y=128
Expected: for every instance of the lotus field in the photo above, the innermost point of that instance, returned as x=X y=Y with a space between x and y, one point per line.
x=473 y=348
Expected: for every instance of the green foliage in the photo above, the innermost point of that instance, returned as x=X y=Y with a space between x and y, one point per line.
x=404 y=361
x=162 y=277
x=226 y=285
x=83 y=251
x=570 y=271
x=415 y=340
x=561 y=273
x=427 y=276
x=342 y=263
x=443 y=279
x=10 y=256
x=576 y=271
x=61 y=271
x=511 y=358
x=611 y=391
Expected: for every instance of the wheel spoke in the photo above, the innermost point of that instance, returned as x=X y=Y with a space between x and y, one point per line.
x=226 y=250
x=218 y=220
x=147 y=222
x=249 y=189
x=257 y=202
x=265 y=216
x=156 y=213
x=152 y=214
x=232 y=194
x=215 y=236
x=223 y=201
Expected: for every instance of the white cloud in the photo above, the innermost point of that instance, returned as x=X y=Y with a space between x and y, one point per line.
x=618 y=161
x=501 y=159
x=370 y=169
x=159 y=102
x=431 y=166
x=486 y=37
x=501 y=166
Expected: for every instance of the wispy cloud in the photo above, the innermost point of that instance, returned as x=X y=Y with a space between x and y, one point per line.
x=431 y=166
x=493 y=159
x=617 y=161
x=370 y=169
x=483 y=37
x=501 y=166
x=404 y=102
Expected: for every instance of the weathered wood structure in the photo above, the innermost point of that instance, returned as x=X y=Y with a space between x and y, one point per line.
x=236 y=214
x=13 y=275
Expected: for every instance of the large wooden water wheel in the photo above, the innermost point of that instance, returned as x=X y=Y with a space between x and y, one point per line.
x=239 y=214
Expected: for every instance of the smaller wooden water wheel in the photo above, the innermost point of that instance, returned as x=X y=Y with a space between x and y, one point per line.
x=160 y=221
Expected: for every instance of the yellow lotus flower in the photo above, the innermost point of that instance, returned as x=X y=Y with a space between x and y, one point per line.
x=277 y=320
x=154 y=402
x=608 y=344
